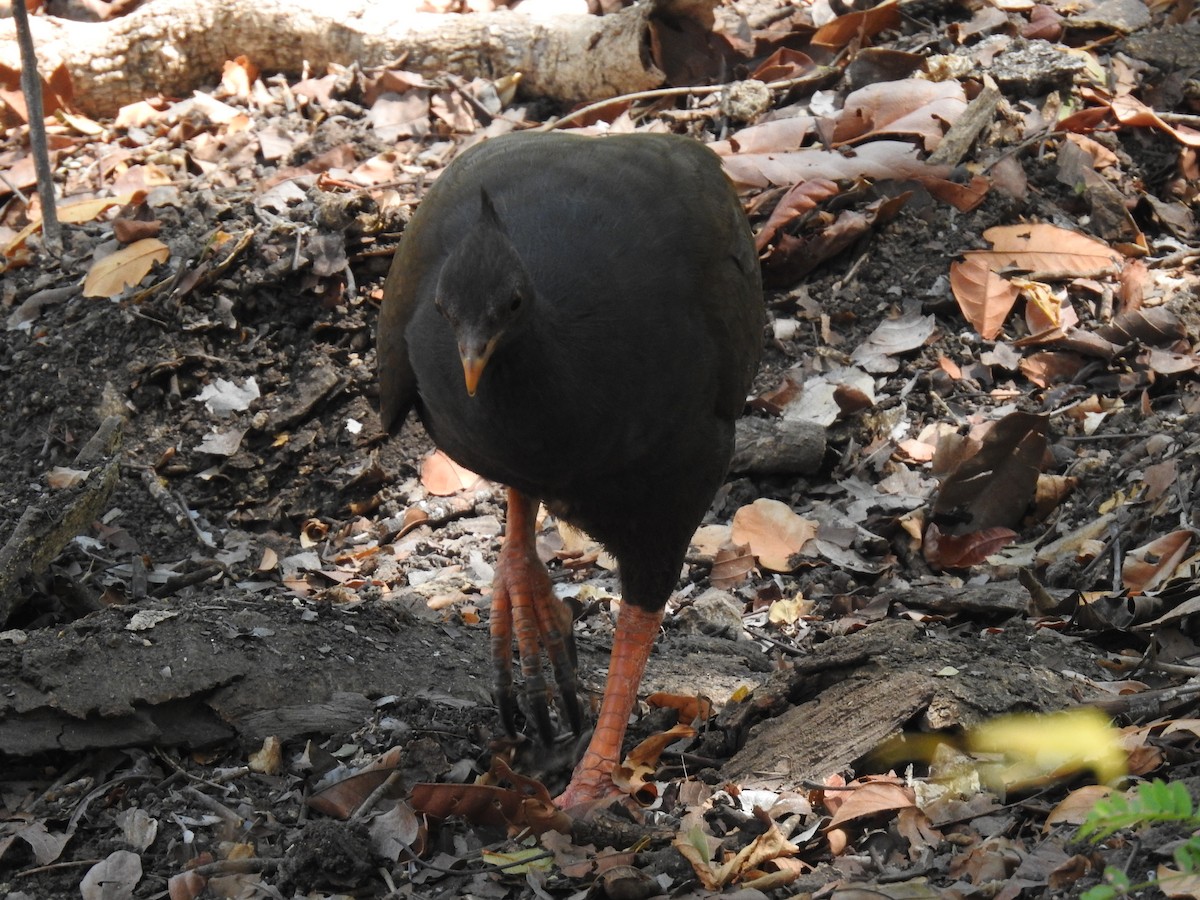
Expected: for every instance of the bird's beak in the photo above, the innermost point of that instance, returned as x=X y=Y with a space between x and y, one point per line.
x=475 y=356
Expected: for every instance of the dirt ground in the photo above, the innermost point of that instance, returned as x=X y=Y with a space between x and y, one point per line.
x=271 y=599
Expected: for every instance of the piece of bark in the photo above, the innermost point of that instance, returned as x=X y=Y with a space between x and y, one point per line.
x=48 y=525
x=825 y=737
x=962 y=134
x=861 y=687
x=313 y=388
x=173 y=47
x=777 y=447
x=1000 y=599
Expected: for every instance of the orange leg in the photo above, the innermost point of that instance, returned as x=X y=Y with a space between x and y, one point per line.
x=636 y=630
x=524 y=605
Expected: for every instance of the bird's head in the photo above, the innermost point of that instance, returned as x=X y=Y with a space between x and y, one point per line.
x=483 y=291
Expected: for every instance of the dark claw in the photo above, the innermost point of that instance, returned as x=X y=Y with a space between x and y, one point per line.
x=535 y=696
x=506 y=700
x=559 y=647
x=559 y=650
x=502 y=663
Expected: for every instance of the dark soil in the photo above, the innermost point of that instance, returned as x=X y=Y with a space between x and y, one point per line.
x=296 y=613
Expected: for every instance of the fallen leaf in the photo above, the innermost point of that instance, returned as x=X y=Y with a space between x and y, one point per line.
x=635 y=774
x=1150 y=565
x=1049 y=249
x=1076 y=806
x=731 y=567
x=773 y=531
x=442 y=476
x=872 y=798
x=128 y=266
x=984 y=298
x=689 y=706
x=114 y=878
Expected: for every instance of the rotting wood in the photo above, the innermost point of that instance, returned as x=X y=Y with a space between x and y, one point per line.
x=47 y=526
x=172 y=47
x=777 y=447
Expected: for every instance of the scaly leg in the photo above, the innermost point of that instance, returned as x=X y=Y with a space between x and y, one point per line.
x=636 y=630
x=524 y=605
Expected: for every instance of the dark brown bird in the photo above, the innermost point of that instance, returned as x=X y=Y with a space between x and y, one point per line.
x=579 y=319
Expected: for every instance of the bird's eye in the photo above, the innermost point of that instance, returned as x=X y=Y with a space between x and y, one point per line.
x=515 y=303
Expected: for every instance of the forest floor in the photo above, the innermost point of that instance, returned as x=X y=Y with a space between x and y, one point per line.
x=233 y=615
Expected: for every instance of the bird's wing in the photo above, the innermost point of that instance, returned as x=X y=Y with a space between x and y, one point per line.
x=397 y=382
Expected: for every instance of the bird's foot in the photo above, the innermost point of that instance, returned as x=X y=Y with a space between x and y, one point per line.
x=591 y=782
x=524 y=607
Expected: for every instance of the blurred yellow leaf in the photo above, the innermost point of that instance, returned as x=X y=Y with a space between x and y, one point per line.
x=1039 y=748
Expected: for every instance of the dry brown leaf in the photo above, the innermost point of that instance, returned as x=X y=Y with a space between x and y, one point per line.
x=789 y=611
x=186 y=885
x=916 y=828
x=857 y=25
x=1047 y=314
x=1049 y=249
x=1150 y=565
x=1159 y=477
x=771 y=136
x=873 y=798
x=949 y=551
x=963 y=197
x=136 y=115
x=801 y=199
x=340 y=798
x=909 y=106
x=765 y=847
x=1050 y=492
x=1177 y=884
x=237 y=76
x=1076 y=806
x=731 y=567
x=635 y=775
x=1045 y=369
x=86 y=210
x=984 y=297
x=992 y=487
x=128 y=266
x=1131 y=111
x=442 y=476
x=689 y=706
x=877 y=160
x=708 y=540
x=267 y=759
x=773 y=531
x=785 y=63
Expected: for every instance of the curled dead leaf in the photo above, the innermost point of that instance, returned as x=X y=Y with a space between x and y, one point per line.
x=128 y=266
x=731 y=567
x=442 y=476
x=984 y=298
x=774 y=532
x=1150 y=565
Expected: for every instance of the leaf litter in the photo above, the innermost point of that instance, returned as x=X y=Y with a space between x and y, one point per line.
x=1035 y=405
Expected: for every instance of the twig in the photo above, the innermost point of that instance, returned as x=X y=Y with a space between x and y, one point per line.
x=31 y=87
x=375 y=796
x=1178 y=118
x=255 y=866
x=16 y=190
x=58 y=866
x=700 y=91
